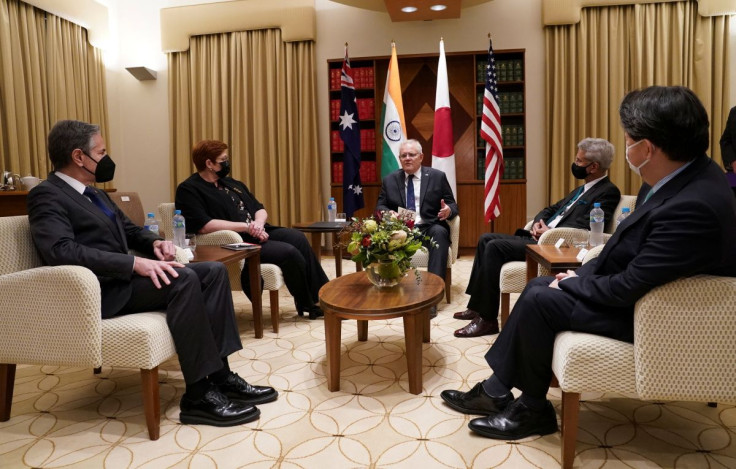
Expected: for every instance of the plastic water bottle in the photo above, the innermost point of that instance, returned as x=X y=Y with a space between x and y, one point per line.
x=180 y=231
x=151 y=223
x=596 y=225
x=625 y=212
x=331 y=209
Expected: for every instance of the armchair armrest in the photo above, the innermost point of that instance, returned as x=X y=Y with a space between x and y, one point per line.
x=216 y=238
x=685 y=340
x=50 y=315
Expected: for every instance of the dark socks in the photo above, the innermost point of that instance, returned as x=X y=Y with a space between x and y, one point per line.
x=494 y=387
x=221 y=375
x=534 y=403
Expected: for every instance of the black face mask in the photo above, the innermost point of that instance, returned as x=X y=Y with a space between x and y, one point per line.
x=105 y=170
x=224 y=171
x=579 y=171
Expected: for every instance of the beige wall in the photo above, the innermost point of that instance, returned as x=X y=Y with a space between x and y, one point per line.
x=139 y=136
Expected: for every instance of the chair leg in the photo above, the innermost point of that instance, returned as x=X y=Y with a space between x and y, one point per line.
x=569 y=429
x=273 y=295
x=151 y=403
x=448 y=284
x=97 y=370
x=7 y=381
x=505 y=301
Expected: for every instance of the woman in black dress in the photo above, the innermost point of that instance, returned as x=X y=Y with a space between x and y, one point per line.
x=212 y=201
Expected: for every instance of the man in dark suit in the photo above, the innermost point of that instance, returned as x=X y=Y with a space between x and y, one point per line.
x=74 y=223
x=684 y=225
x=728 y=141
x=433 y=201
x=591 y=164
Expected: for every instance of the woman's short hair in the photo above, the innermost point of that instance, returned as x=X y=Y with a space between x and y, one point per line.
x=671 y=117
x=207 y=150
x=597 y=150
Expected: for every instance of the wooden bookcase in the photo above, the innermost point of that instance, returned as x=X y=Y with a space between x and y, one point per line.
x=418 y=73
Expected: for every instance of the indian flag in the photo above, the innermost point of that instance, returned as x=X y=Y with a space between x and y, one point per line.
x=393 y=124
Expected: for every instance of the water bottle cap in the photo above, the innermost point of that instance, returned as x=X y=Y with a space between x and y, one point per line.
x=178 y=212
x=625 y=210
x=332 y=198
x=150 y=215
x=597 y=205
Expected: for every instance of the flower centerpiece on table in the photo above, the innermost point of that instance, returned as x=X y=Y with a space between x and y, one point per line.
x=384 y=244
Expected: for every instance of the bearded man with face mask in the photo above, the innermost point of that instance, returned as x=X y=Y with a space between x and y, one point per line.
x=684 y=225
x=591 y=165
x=72 y=223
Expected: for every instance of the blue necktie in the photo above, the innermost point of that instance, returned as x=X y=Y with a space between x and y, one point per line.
x=92 y=194
x=564 y=207
x=411 y=201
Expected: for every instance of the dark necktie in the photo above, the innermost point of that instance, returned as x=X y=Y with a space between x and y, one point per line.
x=92 y=194
x=564 y=207
x=411 y=201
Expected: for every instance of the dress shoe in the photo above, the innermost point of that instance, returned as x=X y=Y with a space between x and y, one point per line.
x=478 y=327
x=475 y=401
x=466 y=315
x=314 y=311
x=238 y=390
x=214 y=408
x=516 y=421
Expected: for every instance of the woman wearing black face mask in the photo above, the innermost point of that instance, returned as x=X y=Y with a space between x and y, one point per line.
x=212 y=201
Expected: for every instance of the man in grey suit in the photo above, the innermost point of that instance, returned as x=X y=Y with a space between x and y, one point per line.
x=426 y=192
x=591 y=164
x=73 y=223
x=684 y=225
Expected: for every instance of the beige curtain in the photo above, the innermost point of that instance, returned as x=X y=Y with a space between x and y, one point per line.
x=48 y=72
x=257 y=94
x=593 y=64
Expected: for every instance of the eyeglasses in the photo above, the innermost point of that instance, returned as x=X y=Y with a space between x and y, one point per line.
x=404 y=156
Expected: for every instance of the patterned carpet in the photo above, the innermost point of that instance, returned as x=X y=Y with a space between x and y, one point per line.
x=68 y=417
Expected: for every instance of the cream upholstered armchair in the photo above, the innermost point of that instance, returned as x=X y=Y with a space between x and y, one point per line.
x=421 y=258
x=273 y=278
x=513 y=274
x=683 y=350
x=51 y=316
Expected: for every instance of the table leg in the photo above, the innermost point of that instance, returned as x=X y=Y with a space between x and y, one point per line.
x=426 y=325
x=333 y=333
x=316 y=241
x=254 y=272
x=362 y=330
x=337 y=251
x=412 y=332
x=531 y=268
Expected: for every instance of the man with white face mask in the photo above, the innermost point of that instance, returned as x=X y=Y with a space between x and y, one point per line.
x=684 y=225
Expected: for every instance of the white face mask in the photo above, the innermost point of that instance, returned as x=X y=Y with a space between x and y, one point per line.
x=636 y=169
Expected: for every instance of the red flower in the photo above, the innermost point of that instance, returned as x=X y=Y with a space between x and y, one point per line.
x=378 y=215
x=366 y=241
x=409 y=222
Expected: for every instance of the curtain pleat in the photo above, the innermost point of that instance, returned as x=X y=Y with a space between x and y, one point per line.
x=613 y=50
x=257 y=94
x=49 y=72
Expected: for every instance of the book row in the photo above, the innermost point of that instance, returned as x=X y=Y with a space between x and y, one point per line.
x=513 y=168
x=367 y=172
x=365 y=108
x=509 y=102
x=513 y=136
x=362 y=77
x=506 y=70
x=367 y=140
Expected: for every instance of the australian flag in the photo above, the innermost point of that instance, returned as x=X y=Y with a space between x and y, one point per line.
x=352 y=189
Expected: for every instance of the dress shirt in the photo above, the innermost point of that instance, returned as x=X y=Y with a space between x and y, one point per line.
x=417 y=187
x=586 y=188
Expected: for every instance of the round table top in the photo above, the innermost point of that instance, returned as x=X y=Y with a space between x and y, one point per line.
x=355 y=294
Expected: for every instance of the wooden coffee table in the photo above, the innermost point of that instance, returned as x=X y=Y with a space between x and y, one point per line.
x=555 y=259
x=353 y=296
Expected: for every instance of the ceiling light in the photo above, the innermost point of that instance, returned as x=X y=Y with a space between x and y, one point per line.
x=409 y=9
x=438 y=7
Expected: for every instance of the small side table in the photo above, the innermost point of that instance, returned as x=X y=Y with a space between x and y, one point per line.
x=555 y=259
x=316 y=230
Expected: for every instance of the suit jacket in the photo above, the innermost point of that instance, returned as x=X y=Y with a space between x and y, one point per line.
x=68 y=229
x=433 y=188
x=686 y=228
x=728 y=139
x=578 y=216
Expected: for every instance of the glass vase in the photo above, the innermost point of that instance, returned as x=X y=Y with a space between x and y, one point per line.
x=384 y=274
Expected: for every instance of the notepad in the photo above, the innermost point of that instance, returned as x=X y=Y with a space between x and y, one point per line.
x=240 y=246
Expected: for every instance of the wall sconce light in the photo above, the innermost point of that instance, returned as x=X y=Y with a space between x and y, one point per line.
x=142 y=73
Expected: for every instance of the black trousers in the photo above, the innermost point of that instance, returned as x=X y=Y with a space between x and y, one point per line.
x=199 y=313
x=437 y=257
x=290 y=250
x=493 y=251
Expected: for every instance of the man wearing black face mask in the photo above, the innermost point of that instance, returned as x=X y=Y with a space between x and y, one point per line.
x=591 y=164
x=72 y=223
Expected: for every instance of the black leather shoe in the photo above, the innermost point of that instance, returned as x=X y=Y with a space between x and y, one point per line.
x=516 y=421
x=314 y=311
x=478 y=327
x=475 y=401
x=238 y=390
x=466 y=315
x=214 y=408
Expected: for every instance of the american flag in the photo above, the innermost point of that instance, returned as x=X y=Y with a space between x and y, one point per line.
x=490 y=131
x=352 y=189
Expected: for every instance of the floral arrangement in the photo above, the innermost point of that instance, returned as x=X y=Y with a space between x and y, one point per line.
x=385 y=240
